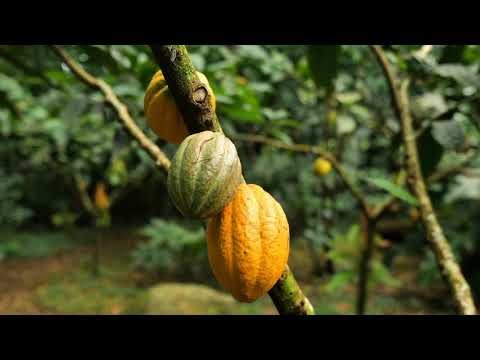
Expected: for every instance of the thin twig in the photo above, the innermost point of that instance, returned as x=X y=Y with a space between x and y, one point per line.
x=451 y=170
x=85 y=200
x=390 y=76
x=161 y=160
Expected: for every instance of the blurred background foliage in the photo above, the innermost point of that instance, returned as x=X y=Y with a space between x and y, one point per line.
x=59 y=139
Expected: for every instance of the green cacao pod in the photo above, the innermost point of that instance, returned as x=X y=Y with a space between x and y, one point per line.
x=204 y=174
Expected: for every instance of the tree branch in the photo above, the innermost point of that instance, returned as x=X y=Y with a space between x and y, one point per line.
x=193 y=100
x=446 y=261
x=444 y=255
x=343 y=174
x=364 y=268
x=451 y=170
x=85 y=200
x=390 y=76
x=288 y=297
x=161 y=160
x=191 y=96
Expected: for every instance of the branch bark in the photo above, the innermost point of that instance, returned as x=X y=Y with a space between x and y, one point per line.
x=191 y=96
x=445 y=259
x=446 y=262
x=288 y=297
x=390 y=76
x=193 y=100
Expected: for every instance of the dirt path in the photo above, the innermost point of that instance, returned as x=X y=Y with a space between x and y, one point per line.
x=19 y=278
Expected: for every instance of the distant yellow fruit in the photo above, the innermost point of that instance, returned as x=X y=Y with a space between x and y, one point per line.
x=414 y=214
x=101 y=198
x=162 y=113
x=241 y=80
x=322 y=167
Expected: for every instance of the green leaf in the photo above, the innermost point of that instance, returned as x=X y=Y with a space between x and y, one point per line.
x=349 y=98
x=393 y=189
x=339 y=280
x=280 y=135
x=323 y=61
x=382 y=275
x=288 y=123
x=245 y=106
x=429 y=105
x=430 y=152
x=466 y=76
x=450 y=134
x=452 y=54
x=100 y=55
x=345 y=124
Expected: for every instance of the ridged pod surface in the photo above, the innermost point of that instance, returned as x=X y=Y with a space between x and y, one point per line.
x=248 y=243
x=204 y=174
x=162 y=113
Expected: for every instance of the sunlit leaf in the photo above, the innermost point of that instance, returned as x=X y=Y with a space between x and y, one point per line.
x=393 y=189
x=450 y=134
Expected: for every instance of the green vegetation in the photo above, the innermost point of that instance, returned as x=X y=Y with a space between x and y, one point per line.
x=59 y=140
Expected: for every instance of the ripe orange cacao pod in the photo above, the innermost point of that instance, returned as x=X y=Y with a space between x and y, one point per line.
x=248 y=243
x=162 y=113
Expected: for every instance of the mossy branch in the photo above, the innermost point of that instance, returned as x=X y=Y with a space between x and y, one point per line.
x=192 y=98
x=445 y=259
x=288 y=297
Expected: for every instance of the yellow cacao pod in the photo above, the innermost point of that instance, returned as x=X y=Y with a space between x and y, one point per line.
x=162 y=113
